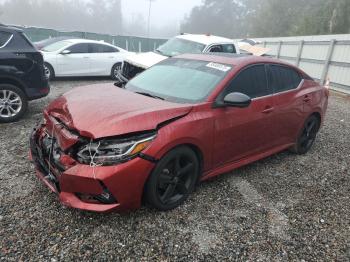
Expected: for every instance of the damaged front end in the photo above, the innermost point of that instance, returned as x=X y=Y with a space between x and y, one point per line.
x=113 y=151
x=49 y=158
x=128 y=72
x=89 y=174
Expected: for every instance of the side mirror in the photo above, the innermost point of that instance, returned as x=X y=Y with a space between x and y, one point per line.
x=237 y=100
x=65 y=52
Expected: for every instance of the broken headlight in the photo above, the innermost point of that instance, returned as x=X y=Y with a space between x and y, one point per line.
x=112 y=151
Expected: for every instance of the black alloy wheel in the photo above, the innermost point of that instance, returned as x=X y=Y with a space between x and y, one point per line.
x=173 y=179
x=307 y=136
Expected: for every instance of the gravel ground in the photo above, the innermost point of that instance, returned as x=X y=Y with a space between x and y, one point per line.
x=286 y=207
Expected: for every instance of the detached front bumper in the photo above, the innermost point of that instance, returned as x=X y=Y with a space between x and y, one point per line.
x=81 y=186
x=121 y=78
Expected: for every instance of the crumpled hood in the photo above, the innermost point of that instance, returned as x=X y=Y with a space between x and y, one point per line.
x=145 y=60
x=104 y=110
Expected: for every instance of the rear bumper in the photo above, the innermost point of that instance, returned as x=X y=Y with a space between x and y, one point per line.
x=125 y=182
x=36 y=93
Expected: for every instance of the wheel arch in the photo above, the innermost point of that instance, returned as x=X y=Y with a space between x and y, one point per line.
x=190 y=144
x=198 y=153
x=319 y=117
x=14 y=82
x=116 y=63
x=317 y=114
x=195 y=148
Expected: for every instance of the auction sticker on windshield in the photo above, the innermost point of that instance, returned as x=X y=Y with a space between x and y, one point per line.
x=220 y=67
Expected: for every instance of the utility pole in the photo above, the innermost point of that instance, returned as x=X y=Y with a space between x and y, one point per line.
x=149 y=22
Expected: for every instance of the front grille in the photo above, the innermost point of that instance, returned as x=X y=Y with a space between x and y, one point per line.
x=51 y=152
x=130 y=71
x=40 y=156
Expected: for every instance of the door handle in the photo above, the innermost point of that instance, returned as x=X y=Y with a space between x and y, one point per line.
x=306 y=98
x=86 y=57
x=268 y=110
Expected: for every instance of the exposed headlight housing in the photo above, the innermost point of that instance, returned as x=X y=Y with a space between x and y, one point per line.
x=112 y=151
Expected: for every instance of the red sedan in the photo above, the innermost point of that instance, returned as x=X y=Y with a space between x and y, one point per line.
x=184 y=120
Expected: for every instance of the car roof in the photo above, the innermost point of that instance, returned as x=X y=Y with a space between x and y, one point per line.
x=77 y=40
x=233 y=59
x=205 y=39
x=9 y=29
x=53 y=39
x=59 y=38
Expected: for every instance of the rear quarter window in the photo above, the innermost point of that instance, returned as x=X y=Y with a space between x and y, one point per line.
x=28 y=43
x=229 y=48
x=100 y=48
x=18 y=42
x=283 y=78
x=109 y=49
x=4 y=38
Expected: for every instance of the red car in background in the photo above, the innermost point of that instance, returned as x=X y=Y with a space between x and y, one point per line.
x=184 y=120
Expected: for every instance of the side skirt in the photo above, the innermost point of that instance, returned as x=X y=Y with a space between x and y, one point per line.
x=242 y=162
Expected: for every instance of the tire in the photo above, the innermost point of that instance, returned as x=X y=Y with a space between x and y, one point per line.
x=49 y=71
x=307 y=135
x=173 y=179
x=13 y=103
x=115 y=69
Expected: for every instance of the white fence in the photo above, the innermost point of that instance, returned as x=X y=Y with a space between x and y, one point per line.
x=319 y=56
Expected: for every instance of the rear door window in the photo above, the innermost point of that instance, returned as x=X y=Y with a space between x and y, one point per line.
x=252 y=82
x=283 y=78
x=79 y=48
x=4 y=38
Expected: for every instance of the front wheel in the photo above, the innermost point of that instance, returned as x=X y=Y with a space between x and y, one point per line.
x=13 y=103
x=173 y=179
x=307 y=135
x=116 y=69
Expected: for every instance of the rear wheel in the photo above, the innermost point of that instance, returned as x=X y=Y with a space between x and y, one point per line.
x=49 y=72
x=13 y=103
x=116 y=69
x=307 y=135
x=173 y=179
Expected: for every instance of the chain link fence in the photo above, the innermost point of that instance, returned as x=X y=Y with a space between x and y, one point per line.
x=131 y=43
x=322 y=57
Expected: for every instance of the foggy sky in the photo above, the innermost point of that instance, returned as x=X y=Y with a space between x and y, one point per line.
x=166 y=16
x=162 y=12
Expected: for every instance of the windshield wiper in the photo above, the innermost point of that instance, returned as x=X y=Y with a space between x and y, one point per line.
x=149 y=95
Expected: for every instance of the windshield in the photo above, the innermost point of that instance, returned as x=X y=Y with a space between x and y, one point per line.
x=56 y=46
x=180 y=80
x=177 y=46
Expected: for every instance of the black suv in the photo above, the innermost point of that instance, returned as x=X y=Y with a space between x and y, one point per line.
x=22 y=76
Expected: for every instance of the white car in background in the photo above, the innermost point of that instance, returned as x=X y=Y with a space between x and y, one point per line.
x=181 y=44
x=81 y=57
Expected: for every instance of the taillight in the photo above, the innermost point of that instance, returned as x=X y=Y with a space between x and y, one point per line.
x=45 y=90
